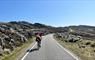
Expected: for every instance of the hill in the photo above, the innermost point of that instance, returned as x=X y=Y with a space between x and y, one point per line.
x=87 y=32
x=14 y=34
x=79 y=39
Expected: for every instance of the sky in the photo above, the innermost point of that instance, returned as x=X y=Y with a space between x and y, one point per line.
x=58 y=13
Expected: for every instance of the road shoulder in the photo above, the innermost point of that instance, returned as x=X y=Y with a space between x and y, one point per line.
x=60 y=44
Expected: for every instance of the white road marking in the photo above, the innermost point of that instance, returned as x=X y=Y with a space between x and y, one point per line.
x=74 y=56
x=68 y=51
x=27 y=53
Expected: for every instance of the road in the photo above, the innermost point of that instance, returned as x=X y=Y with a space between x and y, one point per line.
x=50 y=50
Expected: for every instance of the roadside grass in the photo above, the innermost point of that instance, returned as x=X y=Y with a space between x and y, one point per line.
x=16 y=54
x=81 y=49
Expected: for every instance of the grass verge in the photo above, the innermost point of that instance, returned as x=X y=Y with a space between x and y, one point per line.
x=16 y=54
x=85 y=53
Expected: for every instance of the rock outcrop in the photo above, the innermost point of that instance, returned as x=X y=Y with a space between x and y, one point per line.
x=14 y=34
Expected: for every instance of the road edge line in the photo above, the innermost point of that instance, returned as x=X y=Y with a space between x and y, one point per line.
x=27 y=53
x=68 y=51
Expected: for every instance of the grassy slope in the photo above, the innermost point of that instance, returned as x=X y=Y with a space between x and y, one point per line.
x=84 y=53
x=18 y=51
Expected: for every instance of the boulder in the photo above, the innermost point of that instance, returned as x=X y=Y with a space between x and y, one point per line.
x=1 y=50
x=7 y=51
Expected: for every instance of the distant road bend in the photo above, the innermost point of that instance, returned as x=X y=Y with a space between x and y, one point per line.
x=50 y=50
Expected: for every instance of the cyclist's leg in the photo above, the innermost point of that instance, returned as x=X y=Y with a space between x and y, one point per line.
x=39 y=44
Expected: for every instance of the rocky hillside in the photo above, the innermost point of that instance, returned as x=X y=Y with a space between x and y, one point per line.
x=79 y=39
x=14 y=34
x=86 y=32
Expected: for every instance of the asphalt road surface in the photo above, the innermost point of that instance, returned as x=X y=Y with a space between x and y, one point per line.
x=50 y=50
